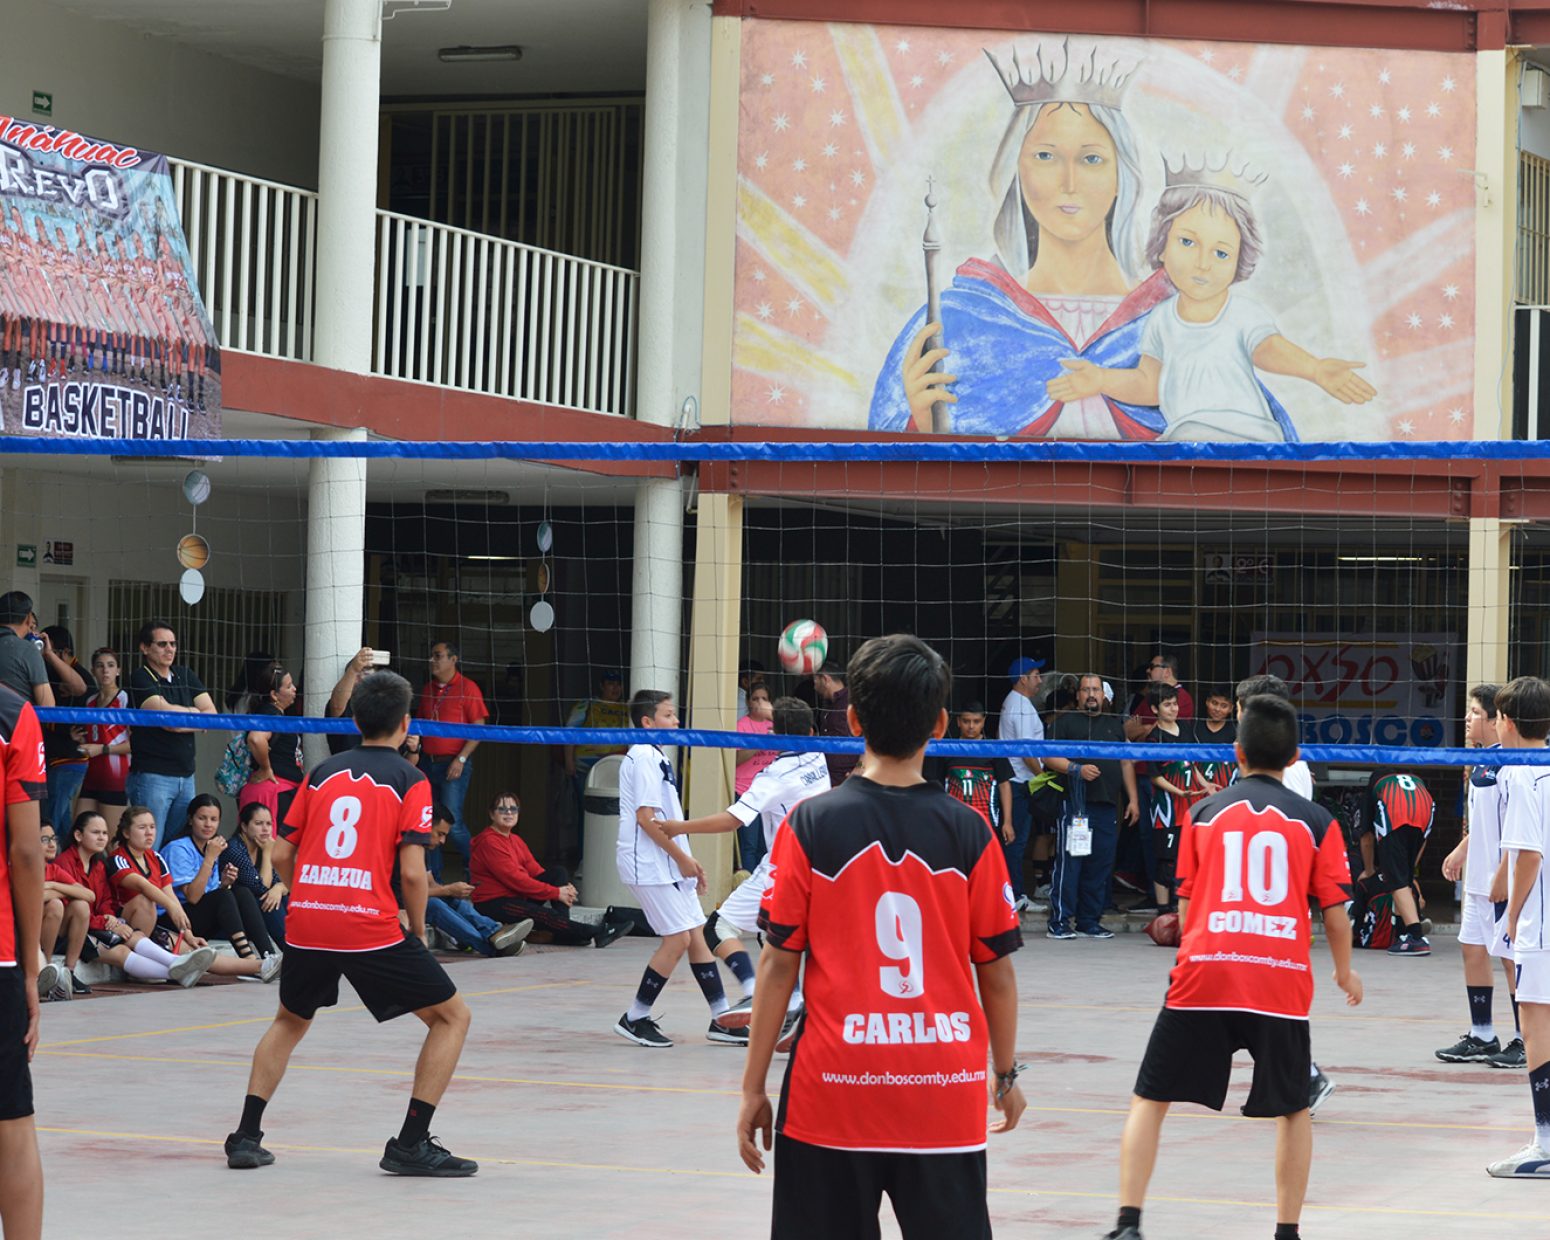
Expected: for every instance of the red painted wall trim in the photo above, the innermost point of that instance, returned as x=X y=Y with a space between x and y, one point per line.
x=1461 y=26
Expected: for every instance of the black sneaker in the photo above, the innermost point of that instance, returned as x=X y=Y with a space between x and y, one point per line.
x=428 y=1158
x=1319 y=1089
x=77 y=986
x=1124 y=1233
x=1406 y=946
x=1097 y=932
x=1510 y=1056
x=726 y=1035
x=788 y=1031
x=642 y=1032
x=612 y=932
x=243 y=1152
x=1469 y=1049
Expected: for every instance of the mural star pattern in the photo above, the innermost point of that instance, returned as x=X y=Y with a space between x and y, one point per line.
x=1391 y=132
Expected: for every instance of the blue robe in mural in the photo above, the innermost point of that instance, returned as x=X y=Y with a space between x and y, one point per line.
x=1006 y=346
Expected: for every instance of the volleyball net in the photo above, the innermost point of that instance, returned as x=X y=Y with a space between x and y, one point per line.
x=1359 y=573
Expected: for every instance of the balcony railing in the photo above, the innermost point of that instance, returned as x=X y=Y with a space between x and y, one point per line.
x=453 y=308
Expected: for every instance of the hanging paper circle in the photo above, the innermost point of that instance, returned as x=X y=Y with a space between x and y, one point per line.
x=191 y=586
x=193 y=551
x=545 y=536
x=542 y=616
x=196 y=487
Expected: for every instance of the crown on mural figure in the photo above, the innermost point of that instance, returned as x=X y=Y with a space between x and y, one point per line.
x=1242 y=180
x=1064 y=80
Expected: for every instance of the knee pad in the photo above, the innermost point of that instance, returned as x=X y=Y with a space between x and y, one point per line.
x=713 y=935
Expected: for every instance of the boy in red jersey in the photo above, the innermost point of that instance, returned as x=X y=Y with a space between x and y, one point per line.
x=354 y=816
x=893 y=890
x=1250 y=858
x=21 y=910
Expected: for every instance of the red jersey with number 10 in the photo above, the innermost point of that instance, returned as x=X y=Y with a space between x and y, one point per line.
x=1250 y=857
x=347 y=823
x=22 y=779
x=894 y=894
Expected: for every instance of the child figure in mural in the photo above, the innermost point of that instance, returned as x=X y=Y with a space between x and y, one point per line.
x=1200 y=349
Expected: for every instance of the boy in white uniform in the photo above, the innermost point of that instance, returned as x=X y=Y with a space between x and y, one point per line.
x=665 y=879
x=1482 y=932
x=791 y=778
x=1523 y=722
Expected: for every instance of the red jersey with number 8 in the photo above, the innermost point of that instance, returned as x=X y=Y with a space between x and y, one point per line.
x=347 y=823
x=21 y=779
x=1250 y=858
x=894 y=894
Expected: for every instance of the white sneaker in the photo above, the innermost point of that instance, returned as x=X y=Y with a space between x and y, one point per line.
x=508 y=940
x=1023 y=905
x=1529 y=1163
x=49 y=978
x=270 y=969
x=190 y=968
x=1041 y=892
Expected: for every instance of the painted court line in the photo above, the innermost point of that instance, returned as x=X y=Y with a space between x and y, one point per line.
x=698 y=1173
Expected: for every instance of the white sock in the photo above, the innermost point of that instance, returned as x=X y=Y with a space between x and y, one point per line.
x=1484 y=1032
x=144 y=969
x=153 y=951
x=748 y=989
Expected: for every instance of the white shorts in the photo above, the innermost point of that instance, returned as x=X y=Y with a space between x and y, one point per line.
x=670 y=908
x=1534 y=977
x=1480 y=927
x=740 y=910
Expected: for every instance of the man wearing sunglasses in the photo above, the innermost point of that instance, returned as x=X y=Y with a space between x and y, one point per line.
x=161 y=774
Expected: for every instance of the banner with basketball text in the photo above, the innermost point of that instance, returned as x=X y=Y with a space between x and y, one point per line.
x=102 y=330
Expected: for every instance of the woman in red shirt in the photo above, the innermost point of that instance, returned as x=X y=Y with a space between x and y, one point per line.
x=510 y=885
x=109 y=937
x=106 y=746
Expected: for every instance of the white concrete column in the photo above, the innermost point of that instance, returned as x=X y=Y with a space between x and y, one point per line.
x=346 y=262
x=671 y=314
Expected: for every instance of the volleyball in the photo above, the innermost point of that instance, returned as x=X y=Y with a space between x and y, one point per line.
x=803 y=647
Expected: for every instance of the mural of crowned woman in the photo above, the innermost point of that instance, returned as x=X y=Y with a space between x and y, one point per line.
x=1058 y=336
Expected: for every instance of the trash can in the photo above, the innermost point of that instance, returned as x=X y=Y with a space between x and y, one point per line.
x=600 y=885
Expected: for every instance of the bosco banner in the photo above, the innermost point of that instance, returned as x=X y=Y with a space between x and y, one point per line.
x=102 y=331
x=1356 y=692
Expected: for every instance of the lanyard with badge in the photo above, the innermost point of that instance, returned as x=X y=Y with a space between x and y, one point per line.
x=1079 y=832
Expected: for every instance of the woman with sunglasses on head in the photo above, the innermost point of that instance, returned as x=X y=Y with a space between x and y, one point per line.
x=277 y=769
x=511 y=886
x=106 y=745
x=251 y=851
x=109 y=937
x=216 y=905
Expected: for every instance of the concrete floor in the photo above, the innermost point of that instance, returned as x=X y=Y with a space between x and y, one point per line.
x=582 y=1135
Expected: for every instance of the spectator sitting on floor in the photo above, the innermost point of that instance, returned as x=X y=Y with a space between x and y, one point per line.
x=251 y=851
x=217 y=907
x=761 y=719
x=510 y=885
x=143 y=891
x=106 y=745
x=449 y=909
x=66 y=916
x=109 y=937
x=277 y=763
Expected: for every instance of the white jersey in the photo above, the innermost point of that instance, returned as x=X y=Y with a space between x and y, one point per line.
x=791 y=778
x=1485 y=829
x=646 y=779
x=1526 y=827
x=1296 y=778
x=1020 y=722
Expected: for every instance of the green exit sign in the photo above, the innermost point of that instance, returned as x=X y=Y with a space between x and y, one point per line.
x=43 y=103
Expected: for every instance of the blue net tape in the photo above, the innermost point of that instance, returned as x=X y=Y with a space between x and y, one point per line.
x=1360 y=755
x=919 y=450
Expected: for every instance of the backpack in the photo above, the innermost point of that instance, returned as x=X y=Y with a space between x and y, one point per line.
x=236 y=765
x=1372 y=916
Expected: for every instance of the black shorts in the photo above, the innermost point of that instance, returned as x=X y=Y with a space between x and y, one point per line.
x=1396 y=854
x=15 y=1074
x=104 y=798
x=391 y=981
x=1189 y=1059
x=828 y=1194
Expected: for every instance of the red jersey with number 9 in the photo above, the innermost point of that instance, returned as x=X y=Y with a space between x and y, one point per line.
x=21 y=780
x=347 y=823
x=1250 y=858
x=894 y=894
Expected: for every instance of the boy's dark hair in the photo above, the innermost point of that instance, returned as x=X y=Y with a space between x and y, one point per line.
x=15 y=607
x=644 y=705
x=1217 y=691
x=793 y=717
x=972 y=707
x=899 y=687
x=440 y=813
x=1159 y=693
x=1486 y=696
x=1254 y=686
x=1526 y=701
x=834 y=668
x=380 y=703
x=147 y=632
x=1268 y=732
x=751 y=667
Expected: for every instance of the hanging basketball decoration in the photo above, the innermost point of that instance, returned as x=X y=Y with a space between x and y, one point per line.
x=541 y=616
x=196 y=487
x=193 y=551
x=191 y=586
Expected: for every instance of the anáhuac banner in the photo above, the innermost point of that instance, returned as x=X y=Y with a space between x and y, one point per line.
x=102 y=330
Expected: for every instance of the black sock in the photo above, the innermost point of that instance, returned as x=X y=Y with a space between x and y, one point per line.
x=1129 y=1216
x=1412 y=931
x=1480 y=1005
x=651 y=983
x=1286 y=1231
x=1516 y=1024
x=252 y=1116
x=417 y=1122
x=709 y=978
x=741 y=966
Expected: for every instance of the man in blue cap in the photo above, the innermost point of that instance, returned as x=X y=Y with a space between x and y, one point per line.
x=1020 y=721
